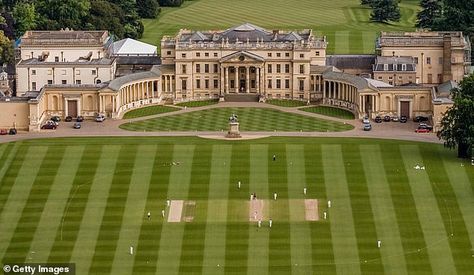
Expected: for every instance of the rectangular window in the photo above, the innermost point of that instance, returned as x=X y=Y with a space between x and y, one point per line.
x=64 y=82
x=278 y=68
x=168 y=52
x=287 y=54
x=216 y=69
x=198 y=68
x=278 y=83
x=206 y=68
x=183 y=84
x=78 y=81
x=301 y=85
x=232 y=84
x=317 y=53
x=430 y=78
x=198 y=83
x=206 y=83
x=287 y=83
x=428 y=60
x=206 y=54
x=301 y=69
x=216 y=83
x=33 y=72
x=215 y=54
x=50 y=81
x=56 y=59
x=269 y=54
x=269 y=70
x=269 y=84
x=278 y=54
x=183 y=55
x=33 y=86
x=198 y=54
x=301 y=55
x=416 y=60
x=287 y=68
x=183 y=69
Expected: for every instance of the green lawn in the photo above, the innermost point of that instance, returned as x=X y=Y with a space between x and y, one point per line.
x=345 y=22
x=149 y=110
x=329 y=111
x=198 y=103
x=84 y=200
x=250 y=119
x=286 y=102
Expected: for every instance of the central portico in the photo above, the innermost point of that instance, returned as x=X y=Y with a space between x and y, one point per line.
x=241 y=72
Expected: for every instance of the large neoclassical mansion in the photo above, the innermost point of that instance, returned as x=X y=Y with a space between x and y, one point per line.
x=84 y=72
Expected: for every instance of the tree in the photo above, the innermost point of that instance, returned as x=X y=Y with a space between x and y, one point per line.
x=6 y=49
x=106 y=16
x=458 y=121
x=385 y=10
x=57 y=14
x=148 y=8
x=431 y=10
x=366 y=2
x=170 y=3
x=25 y=18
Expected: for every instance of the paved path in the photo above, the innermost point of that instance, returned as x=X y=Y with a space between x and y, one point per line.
x=385 y=130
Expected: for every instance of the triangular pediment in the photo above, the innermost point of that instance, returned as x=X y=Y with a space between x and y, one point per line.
x=242 y=56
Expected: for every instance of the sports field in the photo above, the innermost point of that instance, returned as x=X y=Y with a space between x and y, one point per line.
x=85 y=200
x=345 y=22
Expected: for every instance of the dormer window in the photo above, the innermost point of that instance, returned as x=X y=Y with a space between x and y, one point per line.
x=404 y=67
x=56 y=59
x=385 y=67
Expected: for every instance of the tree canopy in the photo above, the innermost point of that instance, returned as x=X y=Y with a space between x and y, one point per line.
x=385 y=10
x=458 y=122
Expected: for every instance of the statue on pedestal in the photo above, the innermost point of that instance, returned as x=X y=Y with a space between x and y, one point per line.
x=233 y=127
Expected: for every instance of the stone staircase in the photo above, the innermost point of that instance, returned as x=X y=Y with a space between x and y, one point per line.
x=241 y=97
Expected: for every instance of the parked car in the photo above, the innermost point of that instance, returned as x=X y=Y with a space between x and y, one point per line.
x=403 y=119
x=80 y=119
x=77 y=125
x=55 y=118
x=378 y=119
x=52 y=122
x=395 y=118
x=12 y=131
x=100 y=118
x=420 y=119
x=425 y=126
x=386 y=118
x=367 y=127
x=49 y=126
x=366 y=120
x=422 y=130
x=68 y=119
x=3 y=132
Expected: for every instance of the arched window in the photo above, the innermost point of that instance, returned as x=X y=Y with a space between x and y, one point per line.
x=98 y=81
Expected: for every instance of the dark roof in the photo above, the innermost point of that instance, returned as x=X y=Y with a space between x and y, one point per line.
x=119 y=82
x=35 y=61
x=394 y=63
x=138 y=60
x=344 y=62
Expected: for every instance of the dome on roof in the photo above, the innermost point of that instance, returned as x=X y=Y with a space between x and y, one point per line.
x=246 y=32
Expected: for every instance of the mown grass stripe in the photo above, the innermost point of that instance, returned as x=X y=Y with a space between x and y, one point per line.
x=55 y=204
x=300 y=233
x=461 y=185
x=321 y=238
x=95 y=203
x=20 y=190
x=9 y=172
x=192 y=248
x=393 y=257
x=258 y=248
x=29 y=216
x=279 y=261
x=237 y=231
x=407 y=218
x=435 y=234
x=214 y=239
x=77 y=198
x=134 y=212
x=346 y=255
x=362 y=212
x=149 y=240
x=449 y=207
x=112 y=218
x=172 y=233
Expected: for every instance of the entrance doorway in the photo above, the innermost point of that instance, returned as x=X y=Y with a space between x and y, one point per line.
x=72 y=108
x=242 y=86
x=405 y=108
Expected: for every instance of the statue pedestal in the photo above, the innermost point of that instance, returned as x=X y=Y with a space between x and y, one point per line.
x=233 y=130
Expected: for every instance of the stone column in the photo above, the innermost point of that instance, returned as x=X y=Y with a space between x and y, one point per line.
x=221 y=86
x=226 y=77
x=257 y=79
x=247 y=79
x=236 y=84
